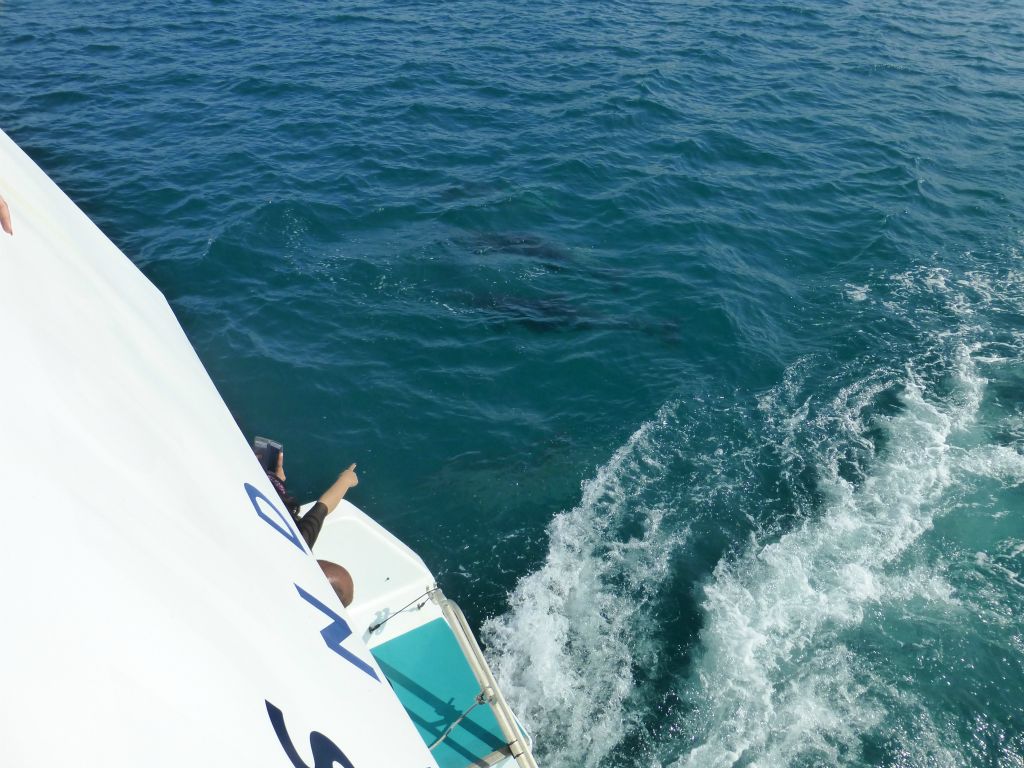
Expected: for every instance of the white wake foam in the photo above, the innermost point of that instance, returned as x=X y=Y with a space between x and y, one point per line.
x=564 y=653
x=775 y=684
x=779 y=679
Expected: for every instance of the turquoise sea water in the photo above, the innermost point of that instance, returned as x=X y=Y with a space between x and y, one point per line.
x=684 y=340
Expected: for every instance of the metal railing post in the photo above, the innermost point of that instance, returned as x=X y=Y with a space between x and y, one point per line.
x=514 y=737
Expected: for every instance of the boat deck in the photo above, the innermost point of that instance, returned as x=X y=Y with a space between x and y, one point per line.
x=429 y=673
x=423 y=646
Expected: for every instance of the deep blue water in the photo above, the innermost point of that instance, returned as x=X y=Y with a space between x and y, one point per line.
x=684 y=340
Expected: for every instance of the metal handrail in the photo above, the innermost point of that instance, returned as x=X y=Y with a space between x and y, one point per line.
x=514 y=737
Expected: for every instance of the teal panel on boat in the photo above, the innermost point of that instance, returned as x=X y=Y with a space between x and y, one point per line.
x=435 y=684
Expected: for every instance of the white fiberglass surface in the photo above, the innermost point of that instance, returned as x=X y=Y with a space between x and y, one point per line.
x=159 y=609
x=387 y=574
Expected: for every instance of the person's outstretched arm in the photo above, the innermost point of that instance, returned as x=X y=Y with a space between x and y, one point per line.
x=311 y=522
x=334 y=494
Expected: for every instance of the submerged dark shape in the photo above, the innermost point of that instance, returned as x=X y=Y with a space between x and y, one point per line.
x=519 y=244
x=541 y=314
x=558 y=312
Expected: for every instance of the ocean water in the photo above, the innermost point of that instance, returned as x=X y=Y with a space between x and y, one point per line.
x=684 y=340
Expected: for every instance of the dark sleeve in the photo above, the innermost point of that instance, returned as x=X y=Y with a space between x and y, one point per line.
x=311 y=522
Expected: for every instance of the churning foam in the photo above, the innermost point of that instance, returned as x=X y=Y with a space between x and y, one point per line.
x=776 y=684
x=779 y=678
x=565 y=651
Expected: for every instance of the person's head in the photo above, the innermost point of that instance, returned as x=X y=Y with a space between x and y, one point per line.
x=341 y=580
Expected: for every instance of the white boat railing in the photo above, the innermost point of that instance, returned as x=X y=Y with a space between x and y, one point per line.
x=515 y=738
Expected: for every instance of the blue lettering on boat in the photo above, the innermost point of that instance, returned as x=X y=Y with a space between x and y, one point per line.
x=326 y=753
x=284 y=527
x=335 y=633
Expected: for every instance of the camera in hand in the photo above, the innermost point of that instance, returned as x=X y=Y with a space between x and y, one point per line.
x=267 y=451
